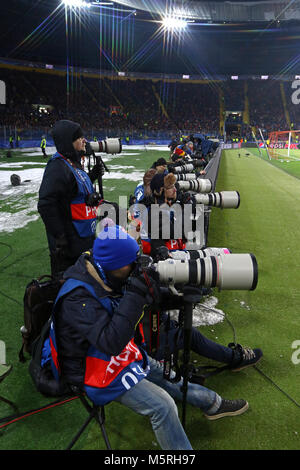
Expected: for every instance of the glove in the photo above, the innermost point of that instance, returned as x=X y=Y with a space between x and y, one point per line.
x=61 y=245
x=145 y=283
x=97 y=171
x=192 y=294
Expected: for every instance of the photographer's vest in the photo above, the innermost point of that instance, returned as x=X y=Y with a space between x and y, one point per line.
x=84 y=218
x=106 y=377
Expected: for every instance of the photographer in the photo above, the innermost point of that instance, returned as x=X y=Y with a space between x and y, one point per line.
x=163 y=192
x=67 y=200
x=96 y=326
x=181 y=151
x=237 y=356
x=173 y=144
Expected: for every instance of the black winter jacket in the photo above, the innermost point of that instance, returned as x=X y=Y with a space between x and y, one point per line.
x=81 y=321
x=57 y=190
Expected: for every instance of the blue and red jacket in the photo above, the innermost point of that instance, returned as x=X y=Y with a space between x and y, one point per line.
x=84 y=218
x=105 y=376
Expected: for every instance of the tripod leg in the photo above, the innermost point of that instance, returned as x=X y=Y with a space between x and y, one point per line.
x=77 y=436
x=101 y=420
x=10 y=403
x=187 y=331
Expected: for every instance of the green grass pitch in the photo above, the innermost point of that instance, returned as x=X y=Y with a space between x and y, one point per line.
x=267 y=224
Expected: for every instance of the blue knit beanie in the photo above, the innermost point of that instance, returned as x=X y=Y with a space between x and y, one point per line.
x=114 y=248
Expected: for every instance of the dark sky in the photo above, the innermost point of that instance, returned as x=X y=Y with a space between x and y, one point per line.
x=119 y=41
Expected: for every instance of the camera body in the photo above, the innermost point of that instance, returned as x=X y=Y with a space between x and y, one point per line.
x=93 y=199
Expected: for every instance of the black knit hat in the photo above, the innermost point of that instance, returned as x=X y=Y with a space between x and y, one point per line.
x=160 y=161
x=157 y=182
x=77 y=134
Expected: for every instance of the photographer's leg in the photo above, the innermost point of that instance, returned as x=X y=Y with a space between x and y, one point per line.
x=210 y=349
x=210 y=402
x=199 y=344
x=148 y=399
x=201 y=397
x=237 y=356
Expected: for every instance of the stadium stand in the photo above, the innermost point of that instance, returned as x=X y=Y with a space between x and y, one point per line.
x=141 y=106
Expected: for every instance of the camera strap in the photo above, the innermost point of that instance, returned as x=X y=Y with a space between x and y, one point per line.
x=171 y=359
x=154 y=319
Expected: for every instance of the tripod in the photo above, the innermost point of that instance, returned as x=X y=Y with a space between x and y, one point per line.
x=187 y=334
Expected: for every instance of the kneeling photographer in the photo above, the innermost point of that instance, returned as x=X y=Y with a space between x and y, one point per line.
x=67 y=200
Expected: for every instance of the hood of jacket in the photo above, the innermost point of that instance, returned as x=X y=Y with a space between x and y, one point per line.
x=85 y=270
x=62 y=134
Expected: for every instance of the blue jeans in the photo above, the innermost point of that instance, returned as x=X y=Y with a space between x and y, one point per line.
x=154 y=397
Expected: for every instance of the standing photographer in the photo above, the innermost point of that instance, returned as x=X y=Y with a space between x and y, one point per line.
x=67 y=200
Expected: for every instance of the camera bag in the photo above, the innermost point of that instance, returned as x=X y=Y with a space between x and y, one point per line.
x=38 y=301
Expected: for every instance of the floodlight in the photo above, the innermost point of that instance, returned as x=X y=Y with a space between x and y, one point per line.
x=76 y=3
x=172 y=23
x=264 y=77
x=186 y=77
x=234 y=77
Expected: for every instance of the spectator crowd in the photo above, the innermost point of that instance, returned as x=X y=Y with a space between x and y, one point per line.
x=36 y=100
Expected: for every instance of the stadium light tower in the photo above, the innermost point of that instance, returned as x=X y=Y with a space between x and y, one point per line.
x=174 y=23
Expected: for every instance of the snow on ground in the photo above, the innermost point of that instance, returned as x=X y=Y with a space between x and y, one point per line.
x=204 y=313
x=20 y=164
x=19 y=202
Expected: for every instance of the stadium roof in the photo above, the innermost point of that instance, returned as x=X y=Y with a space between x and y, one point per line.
x=253 y=37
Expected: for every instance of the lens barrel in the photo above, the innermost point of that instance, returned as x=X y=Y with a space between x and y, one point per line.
x=230 y=272
x=183 y=167
x=198 y=185
x=223 y=199
x=196 y=254
x=111 y=146
x=185 y=176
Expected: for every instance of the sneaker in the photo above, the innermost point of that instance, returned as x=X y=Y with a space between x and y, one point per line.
x=229 y=408
x=244 y=357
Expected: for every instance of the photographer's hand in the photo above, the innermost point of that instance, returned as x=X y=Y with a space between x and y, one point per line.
x=192 y=294
x=146 y=284
x=96 y=172
x=61 y=245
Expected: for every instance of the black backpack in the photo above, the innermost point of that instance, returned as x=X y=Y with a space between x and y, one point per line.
x=43 y=377
x=38 y=302
x=39 y=299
